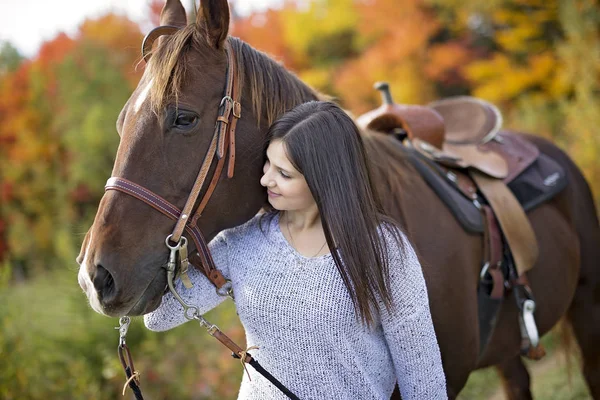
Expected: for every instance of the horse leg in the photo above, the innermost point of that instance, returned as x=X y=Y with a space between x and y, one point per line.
x=515 y=379
x=584 y=311
x=584 y=316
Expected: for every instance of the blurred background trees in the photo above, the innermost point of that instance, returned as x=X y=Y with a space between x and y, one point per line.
x=538 y=60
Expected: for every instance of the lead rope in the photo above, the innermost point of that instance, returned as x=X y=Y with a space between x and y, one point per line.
x=178 y=254
x=133 y=376
x=193 y=313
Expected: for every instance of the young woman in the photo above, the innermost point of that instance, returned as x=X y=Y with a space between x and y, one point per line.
x=327 y=287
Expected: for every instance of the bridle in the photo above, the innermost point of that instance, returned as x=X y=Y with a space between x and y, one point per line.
x=223 y=140
x=222 y=143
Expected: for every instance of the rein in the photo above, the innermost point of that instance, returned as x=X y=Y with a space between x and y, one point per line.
x=223 y=142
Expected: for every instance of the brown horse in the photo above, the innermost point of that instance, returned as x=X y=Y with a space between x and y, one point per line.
x=166 y=127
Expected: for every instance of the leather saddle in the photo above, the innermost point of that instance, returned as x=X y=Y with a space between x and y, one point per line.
x=460 y=132
x=462 y=136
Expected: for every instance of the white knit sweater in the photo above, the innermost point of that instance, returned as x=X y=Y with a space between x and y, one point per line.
x=299 y=313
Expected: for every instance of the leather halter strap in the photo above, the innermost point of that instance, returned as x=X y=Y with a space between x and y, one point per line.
x=223 y=140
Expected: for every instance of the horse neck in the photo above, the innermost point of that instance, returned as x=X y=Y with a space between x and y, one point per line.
x=399 y=186
x=269 y=89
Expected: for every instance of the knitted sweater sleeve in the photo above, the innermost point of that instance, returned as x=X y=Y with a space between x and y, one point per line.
x=202 y=294
x=408 y=327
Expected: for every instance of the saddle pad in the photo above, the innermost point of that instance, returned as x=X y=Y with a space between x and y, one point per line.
x=539 y=182
x=464 y=211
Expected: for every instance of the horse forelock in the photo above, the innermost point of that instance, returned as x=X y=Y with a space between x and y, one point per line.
x=168 y=65
x=273 y=89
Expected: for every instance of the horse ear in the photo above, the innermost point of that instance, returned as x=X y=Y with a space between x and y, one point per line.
x=214 y=16
x=173 y=14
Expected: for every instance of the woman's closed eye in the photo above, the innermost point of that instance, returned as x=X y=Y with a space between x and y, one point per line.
x=284 y=175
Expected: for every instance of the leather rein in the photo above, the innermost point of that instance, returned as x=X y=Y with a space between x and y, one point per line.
x=222 y=143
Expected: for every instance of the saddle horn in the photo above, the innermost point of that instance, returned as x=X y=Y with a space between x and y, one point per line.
x=402 y=120
x=386 y=94
x=152 y=36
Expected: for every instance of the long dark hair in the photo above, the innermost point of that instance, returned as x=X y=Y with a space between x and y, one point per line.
x=324 y=145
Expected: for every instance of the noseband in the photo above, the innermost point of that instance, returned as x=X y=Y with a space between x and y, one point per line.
x=223 y=140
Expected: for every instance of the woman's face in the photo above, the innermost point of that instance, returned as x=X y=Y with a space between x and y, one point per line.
x=286 y=187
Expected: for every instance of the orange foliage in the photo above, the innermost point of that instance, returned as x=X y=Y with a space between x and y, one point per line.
x=445 y=61
x=14 y=93
x=265 y=32
x=50 y=54
x=55 y=50
x=399 y=35
x=119 y=34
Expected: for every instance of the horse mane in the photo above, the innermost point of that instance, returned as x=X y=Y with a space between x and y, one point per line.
x=391 y=173
x=270 y=84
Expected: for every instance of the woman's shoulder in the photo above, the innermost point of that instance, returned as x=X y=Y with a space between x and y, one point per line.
x=396 y=241
x=257 y=225
x=391 y=233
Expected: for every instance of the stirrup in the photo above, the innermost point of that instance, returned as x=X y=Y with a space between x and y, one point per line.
x=530 y=338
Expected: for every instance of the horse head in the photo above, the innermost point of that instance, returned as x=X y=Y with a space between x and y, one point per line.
x=166 y=129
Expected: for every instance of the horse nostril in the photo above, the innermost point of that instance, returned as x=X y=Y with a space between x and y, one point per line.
x=103 y=282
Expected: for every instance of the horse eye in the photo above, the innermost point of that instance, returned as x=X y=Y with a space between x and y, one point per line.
x=185 y=120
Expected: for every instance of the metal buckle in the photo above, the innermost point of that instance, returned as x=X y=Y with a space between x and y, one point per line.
x=226 y=289
x=484 y=270
x=226 y=98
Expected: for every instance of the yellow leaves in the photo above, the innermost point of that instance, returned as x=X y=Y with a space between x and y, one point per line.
x=517 y=38
x=500 y=78
x=322 y=19
x=320 y=79
x=407 y=23
x=522 y=27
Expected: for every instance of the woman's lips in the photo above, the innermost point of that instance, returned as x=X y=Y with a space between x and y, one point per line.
x=271 y=194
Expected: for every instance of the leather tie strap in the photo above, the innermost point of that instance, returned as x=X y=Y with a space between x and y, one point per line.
x=493 y=252
x=513 y=221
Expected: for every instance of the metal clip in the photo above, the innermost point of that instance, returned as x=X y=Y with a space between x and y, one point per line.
x=123 y=327
x=452 y=176
x=184 y=264
x=226 y=290
x=173 y=256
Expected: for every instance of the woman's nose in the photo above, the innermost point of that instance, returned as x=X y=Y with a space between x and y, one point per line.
x=264 y=180
x=267 y=178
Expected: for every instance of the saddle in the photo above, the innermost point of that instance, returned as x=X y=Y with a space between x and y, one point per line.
x=488 y=178
x=462 y=136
